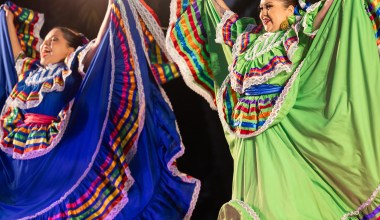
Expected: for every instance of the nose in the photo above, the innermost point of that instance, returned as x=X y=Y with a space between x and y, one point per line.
x=46 y=42
x=263 y=12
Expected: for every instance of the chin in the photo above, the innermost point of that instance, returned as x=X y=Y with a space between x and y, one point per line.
x=267 y=28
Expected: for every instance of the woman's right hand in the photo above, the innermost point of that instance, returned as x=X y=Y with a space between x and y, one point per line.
x=16 y=47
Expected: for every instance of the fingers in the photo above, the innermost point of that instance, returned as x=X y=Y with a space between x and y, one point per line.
x=7 y=10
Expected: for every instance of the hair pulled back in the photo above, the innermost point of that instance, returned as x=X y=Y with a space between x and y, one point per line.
x=73 y=38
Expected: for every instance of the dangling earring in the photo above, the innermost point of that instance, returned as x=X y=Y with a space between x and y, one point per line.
x=284 y=25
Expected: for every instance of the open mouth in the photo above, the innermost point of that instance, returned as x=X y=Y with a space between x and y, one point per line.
x=45 y=52
x=266 y=21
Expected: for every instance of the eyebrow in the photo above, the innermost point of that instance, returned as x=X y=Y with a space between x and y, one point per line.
x=268 y=2
x=51 y=37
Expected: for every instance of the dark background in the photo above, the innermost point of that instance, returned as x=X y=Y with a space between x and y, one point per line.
x=207 y=155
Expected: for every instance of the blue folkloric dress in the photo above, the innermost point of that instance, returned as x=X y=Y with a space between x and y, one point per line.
x=96 y=145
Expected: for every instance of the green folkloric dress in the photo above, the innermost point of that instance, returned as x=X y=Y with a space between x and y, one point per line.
x=299 y=108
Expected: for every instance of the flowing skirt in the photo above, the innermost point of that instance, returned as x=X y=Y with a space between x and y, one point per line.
x=117 y=156
x=320 y=159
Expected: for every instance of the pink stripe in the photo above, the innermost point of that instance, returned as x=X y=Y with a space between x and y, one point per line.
x=92 y=188
x=31 y=118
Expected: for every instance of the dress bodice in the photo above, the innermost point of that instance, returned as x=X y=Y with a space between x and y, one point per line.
x=46 y=90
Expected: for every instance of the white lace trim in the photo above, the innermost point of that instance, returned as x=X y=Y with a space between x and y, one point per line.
x=18 y=65
x=253 y=54
x=37 y=30
x=312 y=8
x=294 y=47
x=302 y=3
x=266 y=44
x=273 y=114
x=153 y=27
x=175 y=172
x=219 y=27
x=137 y=70
x=135 y=14
x=257 y=80
x=33 y=79
x=236 y=48
x=148 y=19
x=180 y=61
x=40 y=152
x=363 y=206
x=130 y=181
x=93 y=156
x=116 y=210
x=82 y=55
x=247 y=208
x=56 y=87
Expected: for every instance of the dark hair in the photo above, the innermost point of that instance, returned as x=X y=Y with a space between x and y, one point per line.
x=74 y=38
x=288 y=3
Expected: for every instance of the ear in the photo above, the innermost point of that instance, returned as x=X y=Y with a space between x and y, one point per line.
x=70 y=50
x=290 y=10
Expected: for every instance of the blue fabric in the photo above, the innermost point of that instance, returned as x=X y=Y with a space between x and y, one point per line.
x=29 y=186
x=8 y=76
x=263 y=89
x=160 y=195
x=53 y=102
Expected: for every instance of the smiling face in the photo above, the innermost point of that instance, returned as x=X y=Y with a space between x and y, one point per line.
x=55 y=48
x=273 y=13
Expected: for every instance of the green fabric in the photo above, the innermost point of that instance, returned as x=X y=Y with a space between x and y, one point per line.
x=321 y=160
x=220 y=55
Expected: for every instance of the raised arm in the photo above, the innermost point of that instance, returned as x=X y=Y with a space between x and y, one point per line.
x=321 y=14
x=220 y=7
x=103 y=28
x=16 y=47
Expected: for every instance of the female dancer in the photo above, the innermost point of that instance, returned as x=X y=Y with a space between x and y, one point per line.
x=86 y=132
x=297 y=97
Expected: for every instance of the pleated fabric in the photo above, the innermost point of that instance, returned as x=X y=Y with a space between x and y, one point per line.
x=319 y=158
x=117 y=155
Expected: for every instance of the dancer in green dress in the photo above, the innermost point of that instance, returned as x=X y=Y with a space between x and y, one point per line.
x=297 y=96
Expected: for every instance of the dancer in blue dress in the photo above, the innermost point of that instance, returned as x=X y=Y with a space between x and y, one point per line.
x=87 y=131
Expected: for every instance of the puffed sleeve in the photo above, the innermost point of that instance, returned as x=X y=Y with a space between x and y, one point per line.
x=307 y=20
x=231 y=26
x=24 y=64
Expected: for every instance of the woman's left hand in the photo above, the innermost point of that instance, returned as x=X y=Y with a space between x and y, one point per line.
x=9 y=14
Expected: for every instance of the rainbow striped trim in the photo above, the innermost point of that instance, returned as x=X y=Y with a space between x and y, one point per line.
x=163 y=70
x=24 y=141
x=28 y=25
x=375 y=214
x=187 y=43
x=373 y=11
x=102 y=190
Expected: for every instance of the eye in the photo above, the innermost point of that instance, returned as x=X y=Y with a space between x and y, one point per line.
x=54 y=39
x=266 y=7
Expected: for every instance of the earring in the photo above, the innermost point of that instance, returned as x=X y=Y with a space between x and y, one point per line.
x=284 y=25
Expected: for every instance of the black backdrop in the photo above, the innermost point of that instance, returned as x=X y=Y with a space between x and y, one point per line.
x=207 y=155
